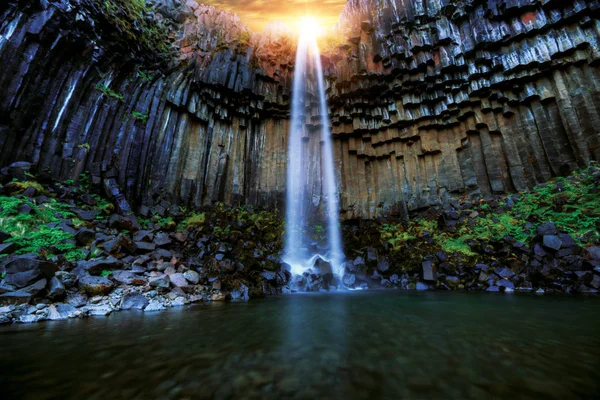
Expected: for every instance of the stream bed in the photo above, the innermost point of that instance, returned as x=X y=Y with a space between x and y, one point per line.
x=357 y=345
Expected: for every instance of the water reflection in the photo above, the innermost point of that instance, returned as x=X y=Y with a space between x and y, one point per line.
x=345 y=345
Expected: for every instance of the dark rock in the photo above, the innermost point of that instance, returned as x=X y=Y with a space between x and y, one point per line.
x=4 y=236
x=85 y=236
x=547 y=228
x=429 y=271
x=162 y=239
x=25 y=270
x=552 y=242
x=7 y=248
x=15 y=298
x=160 y=282
x=192 y=277
x=383 y=265
x=240 y=292
x=593 y=252
x=349 y=279
x=493 y=289
x=422 y=286
x=77 y=299
x=134 y=301
x=95 y=285
x=143 y=236
x=96 y=266
x=124 y=222
x=359 y=262
x=61 y=311
x=145 y=247
x=371 y=254
x=505 y=283
x=566 y=240
x=595 y=282
x=128 y=278
x=56 y=289
x=504 y=272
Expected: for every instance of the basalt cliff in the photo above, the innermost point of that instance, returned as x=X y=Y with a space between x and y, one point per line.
x=429 y=99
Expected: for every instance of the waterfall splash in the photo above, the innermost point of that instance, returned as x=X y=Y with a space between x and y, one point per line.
x=300 y=250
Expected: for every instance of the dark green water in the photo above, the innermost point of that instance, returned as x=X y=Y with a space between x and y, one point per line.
x=368 y=345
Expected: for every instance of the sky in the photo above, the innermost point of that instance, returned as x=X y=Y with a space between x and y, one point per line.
x=256 y=13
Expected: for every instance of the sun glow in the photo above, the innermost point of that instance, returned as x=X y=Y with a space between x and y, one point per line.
x=309 y=26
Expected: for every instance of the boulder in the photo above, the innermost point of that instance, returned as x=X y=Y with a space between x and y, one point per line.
x=7 y=248
x=383 y=265
x=124 y=222
x=15 y=298
x=429 y=271
x=192 y=277
x=85 y=236
x=95 y=285
x=162 y=239
x=61 y=311
x=134 y=301
x=349 y=279
x=25 y=270
x=552 y=242
x=178 y=280
x=547 y=228
x=56 y=289
x=77 y=299
x=160 y=282
x=95 y=267
x=240 y=293
x=128 y=278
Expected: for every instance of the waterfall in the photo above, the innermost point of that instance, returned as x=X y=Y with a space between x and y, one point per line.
x=300 y=251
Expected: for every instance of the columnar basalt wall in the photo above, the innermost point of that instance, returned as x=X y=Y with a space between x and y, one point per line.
x=428 y=100
x=433 y=99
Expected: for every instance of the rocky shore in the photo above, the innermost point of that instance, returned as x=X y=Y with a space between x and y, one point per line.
x=74 y=249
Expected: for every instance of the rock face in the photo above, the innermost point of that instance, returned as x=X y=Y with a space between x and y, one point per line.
x=428 y=100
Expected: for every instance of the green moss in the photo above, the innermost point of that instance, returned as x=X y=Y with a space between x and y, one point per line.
x=105 y=273
x=138 y=116
x=30 y=232
x=196 y=220
x=109 y=92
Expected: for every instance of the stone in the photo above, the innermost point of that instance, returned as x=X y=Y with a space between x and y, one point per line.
x=15 y=298
x=429 y=271
x=349 y=279
x=547 y=228
x=85 y=236
x=595 y=282
x=143 y=236
x=154 y=305
x=162 y=239
x=505 y=283
x=76 y=299
x=7 y=248
x=128 y=278
x=383 y=265
x=552 y=242
x=96 y=266
x=25 y=270
x=145 y=247
x=493 y=289
x=504 y=272
x=61 y=311
x=124 y=222
x=134 y=301
x=160 y=282
x=422 y=286
x=56 y=289
x=192 y=277
x=371 y=254
x=240 y=293
x=95 y=285
x=593 y=252
x=359 y=262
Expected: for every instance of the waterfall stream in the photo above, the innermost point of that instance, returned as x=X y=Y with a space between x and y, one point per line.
x=301 y=251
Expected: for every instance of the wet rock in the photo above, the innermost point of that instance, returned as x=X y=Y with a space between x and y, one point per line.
x=134 y=301
x=371 y=254
x=359 y=262
x=493 y=289
x=162 y=239
x=160 y=282
x=429 y=271
x=95 y=285
x=128 y=278
x=56 y=289
x=547 y=228
x=85 y=236
x=124 y=222
x=76 y=299
x=504 y=273
x=240 y=293
x=422 y=286
x=552 y=242
x=155 y=305
x=7 y=248
x=15 y=298
x=192 y=277
x=505 y=283
x=61 y=311
x=143 y=236
x=25 y=270
x=95 y=267
x=383 y=265
x=349 y=279
x=145 y=247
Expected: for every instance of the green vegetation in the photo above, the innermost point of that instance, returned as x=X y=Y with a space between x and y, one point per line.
x=138 y=116
x=243 y=40
x=30 y=231
x=105 y=273
x=571 y=203
x=196 y=220
x=130 y=19
x=145 y=76
x=109 y=92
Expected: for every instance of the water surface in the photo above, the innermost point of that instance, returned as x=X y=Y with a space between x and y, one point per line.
x=367 y=345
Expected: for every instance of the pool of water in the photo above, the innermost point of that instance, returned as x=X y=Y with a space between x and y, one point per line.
x=386 y=344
